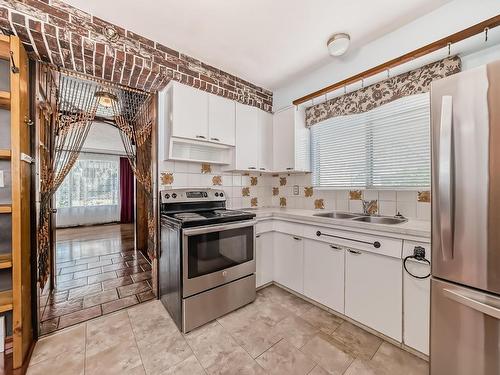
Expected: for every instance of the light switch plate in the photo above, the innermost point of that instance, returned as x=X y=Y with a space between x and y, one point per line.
x=2 y=182
x=296 y=190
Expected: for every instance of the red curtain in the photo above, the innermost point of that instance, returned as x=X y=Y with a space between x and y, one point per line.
x=126 y=191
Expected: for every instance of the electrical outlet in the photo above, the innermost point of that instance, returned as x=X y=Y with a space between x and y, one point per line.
x=296 y=190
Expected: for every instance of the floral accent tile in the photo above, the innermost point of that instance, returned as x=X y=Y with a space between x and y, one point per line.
x=246 y=174
x=282 y=181
x=355 y=195
x=167 y=178
x=245 y=192
x=424 y=196
x=372 y=208
x=308 y=191
x=206 y=168
x=319 y=204
x=253 y=202
x=217 y=180
x=282 y=202
x=276 y=191
x=275 y=175
x=253 y=181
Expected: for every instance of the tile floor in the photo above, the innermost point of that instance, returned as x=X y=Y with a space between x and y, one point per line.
x=98 y=272
x=277 y=334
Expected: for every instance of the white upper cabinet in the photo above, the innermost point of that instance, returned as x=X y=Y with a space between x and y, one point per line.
x=189 y=112
x=221 y=120
x=291 y=141
x=265 y=141
x=247 y=138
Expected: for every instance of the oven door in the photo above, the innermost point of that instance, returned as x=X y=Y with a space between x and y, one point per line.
x=214 y=255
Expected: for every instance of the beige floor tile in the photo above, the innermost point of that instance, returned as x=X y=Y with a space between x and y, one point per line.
x=397 y=361
x=119 y=359
x=364 y=367
x=210 y=343
x=328 y=353
x=255 y=336
x=108 y=331
x=235 y=362
x=69 y=363
x=284 y=359
x=322 y=319
x=318 y=370
x=66 y=342
x=295 y=330
x=163 y=354
x=189 y=366
x=149 y=321
x=287 y=300
x=360 y=342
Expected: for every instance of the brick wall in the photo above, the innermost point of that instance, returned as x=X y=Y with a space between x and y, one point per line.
x=56 y=32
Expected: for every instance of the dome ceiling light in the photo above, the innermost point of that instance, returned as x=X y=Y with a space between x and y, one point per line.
x=338 y=44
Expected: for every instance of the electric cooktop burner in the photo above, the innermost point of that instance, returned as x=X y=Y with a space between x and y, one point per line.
x=204 y=215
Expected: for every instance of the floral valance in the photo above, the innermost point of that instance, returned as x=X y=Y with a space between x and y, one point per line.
x=413 y=82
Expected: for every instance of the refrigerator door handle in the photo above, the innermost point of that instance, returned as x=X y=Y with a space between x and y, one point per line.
x=445 y=177
x=468 y=301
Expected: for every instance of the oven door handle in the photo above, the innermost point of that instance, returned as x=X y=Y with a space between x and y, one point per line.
x=218 y=227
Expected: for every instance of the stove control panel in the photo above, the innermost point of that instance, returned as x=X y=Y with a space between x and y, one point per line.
x=192 y=195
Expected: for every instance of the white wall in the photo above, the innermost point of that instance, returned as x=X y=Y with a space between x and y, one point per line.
x=450 y=18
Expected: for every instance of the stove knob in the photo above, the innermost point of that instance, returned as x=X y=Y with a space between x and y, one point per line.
x=174 y=195
x=217 y=194
x=167 y=196
x=221 y=194
x=205 y=194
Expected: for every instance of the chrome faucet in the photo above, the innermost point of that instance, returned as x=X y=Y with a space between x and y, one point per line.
x=370 y=207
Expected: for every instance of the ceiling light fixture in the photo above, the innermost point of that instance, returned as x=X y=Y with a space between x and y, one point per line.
x=338 y=44
x=105 y=98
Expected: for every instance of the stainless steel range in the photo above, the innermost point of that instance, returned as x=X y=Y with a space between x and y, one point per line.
x=207 y=256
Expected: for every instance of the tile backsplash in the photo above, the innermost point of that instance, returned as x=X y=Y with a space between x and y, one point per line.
x=262 y=190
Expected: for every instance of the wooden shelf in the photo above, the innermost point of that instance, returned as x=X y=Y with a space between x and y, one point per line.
x=5 y=301
x=5 y=99
x=5 y=208
x=4 y=154
x=5 y=261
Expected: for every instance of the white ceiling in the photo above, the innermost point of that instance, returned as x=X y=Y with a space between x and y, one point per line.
x=267 y=42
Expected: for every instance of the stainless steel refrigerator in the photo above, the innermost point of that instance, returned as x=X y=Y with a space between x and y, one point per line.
x=465 y=286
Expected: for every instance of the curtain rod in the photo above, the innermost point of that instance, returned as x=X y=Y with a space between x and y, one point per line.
x=419 y=52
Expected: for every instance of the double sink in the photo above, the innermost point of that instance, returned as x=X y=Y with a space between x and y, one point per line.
x=363 y=218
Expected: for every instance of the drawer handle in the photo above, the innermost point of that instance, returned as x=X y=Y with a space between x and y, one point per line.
x=289 y=169
x=335 y=247
x=375 y=244
x=355 y=252
x=201 y=137
x=257 y=236
x=297 y=238
x=215 y=139
x=252 y=168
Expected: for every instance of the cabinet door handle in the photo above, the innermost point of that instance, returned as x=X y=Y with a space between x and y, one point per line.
x=355 y=252
x=257 y=236
x=262 y=169
x=201 y=137
x=335 y=247
x=252 y=168
x=215 y=139
x=297 y=238
x=289 y=169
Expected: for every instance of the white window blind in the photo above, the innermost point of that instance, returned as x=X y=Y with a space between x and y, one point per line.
x=387 y=147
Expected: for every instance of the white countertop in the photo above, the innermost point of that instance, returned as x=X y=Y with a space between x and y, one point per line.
x=412 y=227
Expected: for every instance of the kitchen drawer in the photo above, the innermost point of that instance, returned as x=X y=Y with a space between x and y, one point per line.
x=264 y=226
x=289 y=228
x=388 y=246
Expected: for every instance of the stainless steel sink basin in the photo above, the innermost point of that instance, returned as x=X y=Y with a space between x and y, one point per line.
x=337 y=215
x=381 y=220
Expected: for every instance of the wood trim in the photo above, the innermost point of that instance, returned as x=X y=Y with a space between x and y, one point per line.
x=4 y=154
x=4 y=99
x=4 y=47
x=419 y=52
x=5 y=208
x=5 y=301
x=5 y=261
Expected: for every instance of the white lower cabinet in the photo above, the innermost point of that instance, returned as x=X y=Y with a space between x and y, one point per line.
x=289 y=261
x=416 y=297
x=373 y=291
x=264 y=258
x=324 y=274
